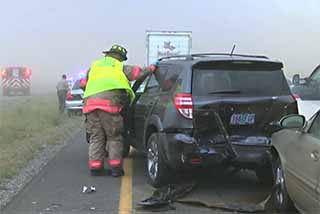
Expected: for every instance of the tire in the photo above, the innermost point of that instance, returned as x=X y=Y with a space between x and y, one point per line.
x=158 y=172
x=281 y=198
x=70 y=113
x=265 y=175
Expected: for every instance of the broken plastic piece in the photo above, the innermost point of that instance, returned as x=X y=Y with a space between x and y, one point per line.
x=84 y=189
x=93 y=189
x=185 y=139
x=90 y=189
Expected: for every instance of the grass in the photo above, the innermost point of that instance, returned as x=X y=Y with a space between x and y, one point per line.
x=26 y=127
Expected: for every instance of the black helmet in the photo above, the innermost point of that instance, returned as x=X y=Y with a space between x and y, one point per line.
x=117 y=49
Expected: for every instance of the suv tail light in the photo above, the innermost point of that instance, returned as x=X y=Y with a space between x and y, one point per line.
x=69 y=96
x=183 y=103
x=296 y=97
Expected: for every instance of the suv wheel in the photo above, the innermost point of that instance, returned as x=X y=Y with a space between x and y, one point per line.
x=282 y=201
x=158 y=171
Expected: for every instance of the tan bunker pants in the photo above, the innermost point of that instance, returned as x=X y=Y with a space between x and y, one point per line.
x=105 y=131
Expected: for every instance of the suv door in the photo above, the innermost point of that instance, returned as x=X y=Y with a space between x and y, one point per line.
x=143 y=107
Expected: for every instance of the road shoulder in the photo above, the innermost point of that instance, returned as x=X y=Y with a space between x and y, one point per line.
x=8 y=190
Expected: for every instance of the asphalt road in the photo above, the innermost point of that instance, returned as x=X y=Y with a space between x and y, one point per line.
x=58 y=187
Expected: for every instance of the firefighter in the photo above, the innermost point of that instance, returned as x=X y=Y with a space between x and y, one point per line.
x=107 y=93
x=62 y=90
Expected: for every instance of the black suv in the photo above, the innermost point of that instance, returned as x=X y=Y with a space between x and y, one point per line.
x=209 y=110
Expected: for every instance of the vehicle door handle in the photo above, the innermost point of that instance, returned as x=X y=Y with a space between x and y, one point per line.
x=315 y=155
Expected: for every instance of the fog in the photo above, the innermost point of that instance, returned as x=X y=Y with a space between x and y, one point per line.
x=56 y=37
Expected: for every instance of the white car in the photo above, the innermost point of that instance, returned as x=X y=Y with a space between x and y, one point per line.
x=74 y=101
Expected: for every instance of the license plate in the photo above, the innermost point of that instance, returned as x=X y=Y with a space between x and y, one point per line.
x=242 y=119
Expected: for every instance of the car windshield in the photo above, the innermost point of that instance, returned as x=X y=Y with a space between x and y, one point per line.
x=316 y=75
x=15 y=72
x=239 y=83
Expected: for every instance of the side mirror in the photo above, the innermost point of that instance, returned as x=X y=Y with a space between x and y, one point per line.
x=293 y=121
x=296 y=79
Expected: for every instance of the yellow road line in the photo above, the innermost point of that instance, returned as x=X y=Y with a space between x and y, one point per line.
x=125 y=204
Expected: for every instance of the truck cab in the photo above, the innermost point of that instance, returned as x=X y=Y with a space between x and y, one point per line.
x=16 y=80
x=308 y=91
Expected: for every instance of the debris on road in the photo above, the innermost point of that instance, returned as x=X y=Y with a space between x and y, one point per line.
x=163 y=198
x=53 y=206
x=90 y=189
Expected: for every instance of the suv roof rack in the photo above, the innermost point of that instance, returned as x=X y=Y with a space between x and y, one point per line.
x=185 y=57
x=192 y=56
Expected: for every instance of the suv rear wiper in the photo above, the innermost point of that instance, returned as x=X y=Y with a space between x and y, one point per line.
x=230 y=91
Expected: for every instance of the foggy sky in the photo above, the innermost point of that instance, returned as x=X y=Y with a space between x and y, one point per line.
x=61 y=36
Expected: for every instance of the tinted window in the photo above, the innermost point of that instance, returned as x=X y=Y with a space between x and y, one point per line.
x=244 y=82
x=142 y=86
x=153 y=84
x=316 y=75
x=161 y=73
x=15 y=72
x=170 y=79
x=315 y=128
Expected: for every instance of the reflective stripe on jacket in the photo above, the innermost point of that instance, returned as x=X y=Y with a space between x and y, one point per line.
x=101 y=104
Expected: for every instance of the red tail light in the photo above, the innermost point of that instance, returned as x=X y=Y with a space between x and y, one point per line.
x=296 y=97
x=195 y=160
x=69 y=96
x=183 y=103
x=27 y=72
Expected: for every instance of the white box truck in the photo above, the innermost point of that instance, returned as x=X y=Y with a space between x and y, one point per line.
x=167 y=43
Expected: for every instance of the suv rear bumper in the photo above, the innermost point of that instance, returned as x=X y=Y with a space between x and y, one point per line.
x=181 y=151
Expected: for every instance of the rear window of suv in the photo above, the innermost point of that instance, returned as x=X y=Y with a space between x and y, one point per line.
x=76 y=85
x=221 y=82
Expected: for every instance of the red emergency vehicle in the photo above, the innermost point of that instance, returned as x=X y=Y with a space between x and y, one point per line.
x=16 y=80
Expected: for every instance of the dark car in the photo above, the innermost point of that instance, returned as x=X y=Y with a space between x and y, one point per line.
x=209 y=110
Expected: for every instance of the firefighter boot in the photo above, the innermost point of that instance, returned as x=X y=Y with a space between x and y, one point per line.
x=116 y=172
x=116 y=169
x=96 y=167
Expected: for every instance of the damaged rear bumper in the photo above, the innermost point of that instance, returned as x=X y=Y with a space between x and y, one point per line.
x=181 y=150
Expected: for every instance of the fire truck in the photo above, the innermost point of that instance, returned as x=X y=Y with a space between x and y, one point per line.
x=16 y=80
